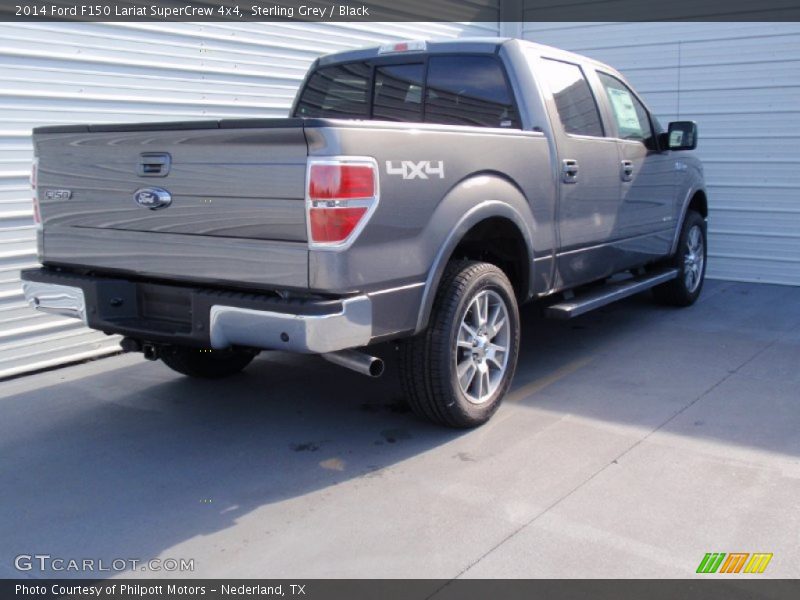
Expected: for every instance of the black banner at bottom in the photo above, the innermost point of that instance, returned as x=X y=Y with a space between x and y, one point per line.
x=396 y=589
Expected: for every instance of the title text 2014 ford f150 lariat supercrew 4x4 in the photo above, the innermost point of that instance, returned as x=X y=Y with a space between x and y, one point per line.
x=418 y=192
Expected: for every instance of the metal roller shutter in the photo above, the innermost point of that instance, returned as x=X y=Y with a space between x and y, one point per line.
x=59 y=73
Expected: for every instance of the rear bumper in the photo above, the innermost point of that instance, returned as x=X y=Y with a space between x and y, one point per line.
x=56 y=299
x=204 y=317
x=349 y=327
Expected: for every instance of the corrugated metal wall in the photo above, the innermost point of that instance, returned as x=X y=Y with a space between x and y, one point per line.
x=55 y=73
x=741 y=83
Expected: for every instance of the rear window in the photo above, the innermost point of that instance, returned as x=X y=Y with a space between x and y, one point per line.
x=459 y=90
x=398 y=92
x=339 y=91
x=468 y=90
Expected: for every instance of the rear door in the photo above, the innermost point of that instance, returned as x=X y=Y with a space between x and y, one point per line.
x=588 y=173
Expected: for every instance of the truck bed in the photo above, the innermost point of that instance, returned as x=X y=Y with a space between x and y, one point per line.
x=237 y=218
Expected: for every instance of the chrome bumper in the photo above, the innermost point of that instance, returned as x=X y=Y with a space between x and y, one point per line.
x=56 y=299
x=315 y=334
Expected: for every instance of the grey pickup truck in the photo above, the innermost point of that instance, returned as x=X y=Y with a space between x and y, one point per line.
x=418 y=192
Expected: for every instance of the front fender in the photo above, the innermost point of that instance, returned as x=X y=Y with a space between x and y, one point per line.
x=471 y=201
x=694 y=183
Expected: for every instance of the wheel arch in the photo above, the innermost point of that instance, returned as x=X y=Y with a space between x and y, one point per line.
x=696 y=199
x=504 y=212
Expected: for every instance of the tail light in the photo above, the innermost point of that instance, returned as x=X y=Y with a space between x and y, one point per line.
x=341 y=195
x=408 y=46
x=37 y=215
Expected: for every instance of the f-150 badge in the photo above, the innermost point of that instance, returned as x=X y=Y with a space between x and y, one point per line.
x=58 y=194
x=416 y=170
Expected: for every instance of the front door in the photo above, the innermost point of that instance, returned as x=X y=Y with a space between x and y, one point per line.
x=647 y=174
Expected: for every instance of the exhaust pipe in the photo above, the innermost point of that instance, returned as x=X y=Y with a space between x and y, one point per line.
x=151 y=351
x=371 y=366
x=130 y=345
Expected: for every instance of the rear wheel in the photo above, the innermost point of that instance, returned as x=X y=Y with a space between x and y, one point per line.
x=457 y=372
x=206 y=364
x=690 y=261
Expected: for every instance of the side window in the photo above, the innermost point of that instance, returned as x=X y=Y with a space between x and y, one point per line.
x=575 y=103
x=468 y=90
x=633 y=122
x=339 y=91
x=398 y=93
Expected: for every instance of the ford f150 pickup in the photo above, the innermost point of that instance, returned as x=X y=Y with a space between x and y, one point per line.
x=418 y=192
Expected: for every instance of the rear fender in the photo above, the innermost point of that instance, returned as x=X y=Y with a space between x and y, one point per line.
x=473 y=200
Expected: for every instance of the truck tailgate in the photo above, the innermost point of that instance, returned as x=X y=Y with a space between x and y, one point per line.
x=234 y=212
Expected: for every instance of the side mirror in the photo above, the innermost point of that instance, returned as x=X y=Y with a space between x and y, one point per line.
x=682 y=135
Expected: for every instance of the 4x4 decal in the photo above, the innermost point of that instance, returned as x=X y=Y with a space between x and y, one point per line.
x=416 y=170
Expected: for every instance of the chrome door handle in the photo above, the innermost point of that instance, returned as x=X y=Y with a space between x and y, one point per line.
x=626 y=172
x=569 y=170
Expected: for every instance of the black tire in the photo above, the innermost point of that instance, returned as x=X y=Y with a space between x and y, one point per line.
x=205 y=364
x=683 y=290
x=428 y=361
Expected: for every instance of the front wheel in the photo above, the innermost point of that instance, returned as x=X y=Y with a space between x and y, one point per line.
x=690 y=261
x=205 y=364
x=457 y=372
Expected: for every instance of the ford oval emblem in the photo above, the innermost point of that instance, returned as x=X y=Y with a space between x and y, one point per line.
x=152 y=198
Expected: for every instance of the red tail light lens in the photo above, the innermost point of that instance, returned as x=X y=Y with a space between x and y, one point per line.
x=341 y=196
x=341 y=181
x=334 y=224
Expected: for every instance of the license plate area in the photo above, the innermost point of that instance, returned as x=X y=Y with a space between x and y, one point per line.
x=171 y=306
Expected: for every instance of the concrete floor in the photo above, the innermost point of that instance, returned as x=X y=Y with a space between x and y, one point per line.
x=635 y=439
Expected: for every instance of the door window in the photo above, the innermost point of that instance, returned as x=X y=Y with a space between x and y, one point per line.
x=574 y=100
x=633 y=122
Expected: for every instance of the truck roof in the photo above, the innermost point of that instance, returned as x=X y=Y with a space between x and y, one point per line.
x=488 y=45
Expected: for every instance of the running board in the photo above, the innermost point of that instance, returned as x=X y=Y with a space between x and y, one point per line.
x=608 y=294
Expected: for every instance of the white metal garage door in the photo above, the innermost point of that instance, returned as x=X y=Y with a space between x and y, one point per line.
x=741 y=83
x=93 y=72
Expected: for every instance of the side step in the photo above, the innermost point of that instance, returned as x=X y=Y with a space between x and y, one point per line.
x=608 y=294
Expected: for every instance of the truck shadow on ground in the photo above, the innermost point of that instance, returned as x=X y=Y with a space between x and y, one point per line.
x=134 y=460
